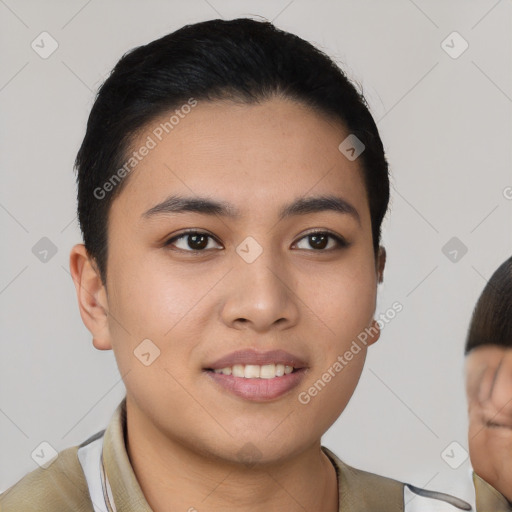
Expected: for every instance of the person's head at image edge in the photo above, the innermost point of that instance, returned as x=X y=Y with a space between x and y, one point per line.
x=489 y=381
x=239 y=125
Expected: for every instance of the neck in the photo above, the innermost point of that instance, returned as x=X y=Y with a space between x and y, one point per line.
x=175 y=477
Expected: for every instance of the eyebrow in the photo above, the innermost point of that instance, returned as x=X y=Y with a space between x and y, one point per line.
x=207 y=206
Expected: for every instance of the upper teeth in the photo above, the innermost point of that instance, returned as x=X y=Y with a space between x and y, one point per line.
x=254 y=371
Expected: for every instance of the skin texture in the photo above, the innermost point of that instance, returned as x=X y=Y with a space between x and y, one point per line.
x=186 y=435
x=489 y=392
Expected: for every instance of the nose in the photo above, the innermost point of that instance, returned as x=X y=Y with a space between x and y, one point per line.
x=260 y=295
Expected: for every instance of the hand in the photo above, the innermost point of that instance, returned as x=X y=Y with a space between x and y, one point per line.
x=489 y=393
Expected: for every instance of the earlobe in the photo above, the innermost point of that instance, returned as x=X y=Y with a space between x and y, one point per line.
x=91 y=295
x=373 y=333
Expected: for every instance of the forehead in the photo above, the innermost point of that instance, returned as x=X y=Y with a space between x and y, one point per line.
x=252 y=156
x=487 y=356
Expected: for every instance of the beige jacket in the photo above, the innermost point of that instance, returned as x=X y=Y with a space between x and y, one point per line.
x=96 y=476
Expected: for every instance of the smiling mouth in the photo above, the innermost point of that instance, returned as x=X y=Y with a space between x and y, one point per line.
x=254 y=371
x=257 y=383
x=257 y=375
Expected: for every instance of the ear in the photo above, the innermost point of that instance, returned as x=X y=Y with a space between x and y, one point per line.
x=373 y=333
x=91 y=295
x=381 y=263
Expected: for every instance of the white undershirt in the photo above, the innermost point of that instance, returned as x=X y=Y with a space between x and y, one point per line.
x=97 y=481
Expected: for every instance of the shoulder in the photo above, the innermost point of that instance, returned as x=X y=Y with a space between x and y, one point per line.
x=489 y=498
x=60 y=487
x=362 y=491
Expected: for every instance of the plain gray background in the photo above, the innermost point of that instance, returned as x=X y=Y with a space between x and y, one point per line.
x=446 y=124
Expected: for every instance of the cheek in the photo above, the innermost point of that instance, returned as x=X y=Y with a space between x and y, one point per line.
x=326 y=393
x=345 y=303
x=166 y=305
x=151 y=296
x=343 y=299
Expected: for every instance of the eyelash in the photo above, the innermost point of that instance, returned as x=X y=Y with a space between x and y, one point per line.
x=341 y=242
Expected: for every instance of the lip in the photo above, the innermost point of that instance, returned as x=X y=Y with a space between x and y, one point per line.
x=258 y=390
x=253 y=356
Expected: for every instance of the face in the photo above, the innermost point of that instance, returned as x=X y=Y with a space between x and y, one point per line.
x=255 y=282
x=489 y=392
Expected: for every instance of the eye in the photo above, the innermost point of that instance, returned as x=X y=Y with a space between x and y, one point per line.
x=319 y=240
x=197 y=241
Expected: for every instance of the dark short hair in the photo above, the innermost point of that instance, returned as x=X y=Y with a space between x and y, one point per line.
x=242 y=60
x=491 y=323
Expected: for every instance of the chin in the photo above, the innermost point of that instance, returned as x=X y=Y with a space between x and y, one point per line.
x=254 y=452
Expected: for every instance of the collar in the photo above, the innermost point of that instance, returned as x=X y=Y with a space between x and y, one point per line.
x=125 y=489
x=488 y=498
x=358 y=491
